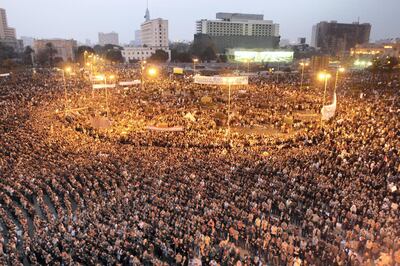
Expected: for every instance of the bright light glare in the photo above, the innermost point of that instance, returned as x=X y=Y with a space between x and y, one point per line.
x=68 y=69
x=342 y=69
x=99 y=77
x=266 y=56
x=323 y=76
x=152 y=72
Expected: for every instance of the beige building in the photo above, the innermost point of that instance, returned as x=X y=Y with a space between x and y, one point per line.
x=65 y=48
x=108 y=38
x=154 y=33
x=6 y=32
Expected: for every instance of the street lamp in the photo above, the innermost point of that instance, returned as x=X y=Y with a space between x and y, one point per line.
x=340 y=69
x=152 y=72
x=195 y=60
x=303 y=65
x=323 y=76
x=142 y=67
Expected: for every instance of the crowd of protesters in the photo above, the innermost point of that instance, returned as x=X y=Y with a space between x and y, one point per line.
x=297 y=192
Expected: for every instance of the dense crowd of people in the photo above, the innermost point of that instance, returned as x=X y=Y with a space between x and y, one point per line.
x=276 y=187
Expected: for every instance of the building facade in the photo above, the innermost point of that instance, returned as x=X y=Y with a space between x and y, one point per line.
x=154 y=33
x=233 y=24
x=108 y=38
x=132 y=53
x=339 y=38
x=234 y=30
x=65 y=48
x=6 y=32
x=373 y=50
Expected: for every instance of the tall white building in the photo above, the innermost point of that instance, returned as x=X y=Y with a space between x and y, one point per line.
x=235 y=24
x=154 y=33
x=108 y=38
x=6 y=32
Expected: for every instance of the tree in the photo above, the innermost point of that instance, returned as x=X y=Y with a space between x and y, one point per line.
x=27 y=56
x=160 y=56
x=6 y=52
x=80 y=53
x=51 y=52
x=208 y=54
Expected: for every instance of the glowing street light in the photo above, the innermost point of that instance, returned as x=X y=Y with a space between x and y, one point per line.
x=341 y=70
x=303 y=65
x=68 y=70
x=195 y=60
x=323 y=76
x=152 y=72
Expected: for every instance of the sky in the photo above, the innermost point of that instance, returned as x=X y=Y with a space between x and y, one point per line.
x=83 y=19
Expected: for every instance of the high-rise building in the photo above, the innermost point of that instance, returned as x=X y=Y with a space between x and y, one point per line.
x=154 y=33
x=233 y=24
x=153 y=36
x=6 y=32
x=138 y=38
x=108 y=38
x=337 y=38
x=65 y=48
x=234 y=30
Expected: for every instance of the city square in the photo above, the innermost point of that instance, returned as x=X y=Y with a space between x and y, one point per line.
x=234 y=150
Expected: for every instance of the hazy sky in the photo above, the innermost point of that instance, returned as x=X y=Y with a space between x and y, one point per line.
x=83 y=19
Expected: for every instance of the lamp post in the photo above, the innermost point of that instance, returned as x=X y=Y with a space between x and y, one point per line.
x=340 y=69
x=142 y=67
x=68 y=70
x=324 y=77
x=105 y=81
x=303 y=65
x=195 y=60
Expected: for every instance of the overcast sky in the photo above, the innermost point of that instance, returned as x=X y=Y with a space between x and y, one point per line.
x=83 y=19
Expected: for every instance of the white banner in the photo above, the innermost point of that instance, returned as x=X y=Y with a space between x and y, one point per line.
x=165 y=129
x=217 y=80
x=103 y=86
x=328 y=111
x=5 y=75
x=129 y=83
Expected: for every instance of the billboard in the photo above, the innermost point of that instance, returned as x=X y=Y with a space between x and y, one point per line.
x=263 y=56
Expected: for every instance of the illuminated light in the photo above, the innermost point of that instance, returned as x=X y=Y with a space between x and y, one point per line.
x=111 y=77
x=99 y=77
x=324 y=76
x=195 y=60
x=266 y=56
x=68 y=69
x=388 y=47
x=152 y=72
x=341 y=69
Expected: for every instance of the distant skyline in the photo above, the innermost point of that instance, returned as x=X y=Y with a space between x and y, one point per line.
x=83 y=19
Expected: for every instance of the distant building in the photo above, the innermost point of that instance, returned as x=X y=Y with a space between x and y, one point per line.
x=108 y=38
x=138 y=38
x=154 y=33
x=88 y=42
x=301 y=40
x=153 y=36
x=132 y=53
x=65 y=48
x=338 y=38
x=27 y=41
x=373 y=50
x=6 y=32
x=234 y=30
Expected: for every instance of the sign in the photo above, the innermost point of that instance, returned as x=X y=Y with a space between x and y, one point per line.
x=178 y=70
x=328 y=111
x=5 y=75
x=103 y=86
x=217 y=80
x=129 y=83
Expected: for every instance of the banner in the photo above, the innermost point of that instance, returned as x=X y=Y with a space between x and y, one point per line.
x=103 y=86
x=129 y=83
x=178 y=70
x=165 y=129
x=217 y=80
x=328 y=111
x=5 y=75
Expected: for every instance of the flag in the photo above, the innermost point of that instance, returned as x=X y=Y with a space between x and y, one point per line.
x=328 y=111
